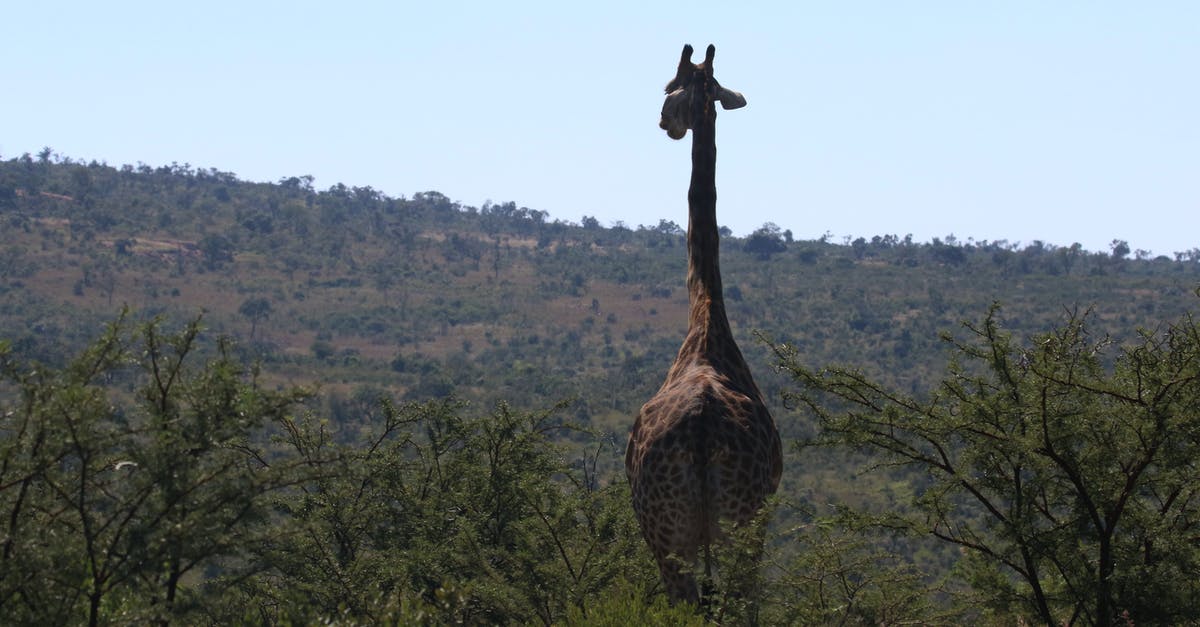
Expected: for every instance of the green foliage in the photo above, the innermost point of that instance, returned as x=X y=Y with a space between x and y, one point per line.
x=624 y=605
x=149 y=482
x=126 y=472
x=1068 y=473
x=139 y=485
x=422 y=499
x=837 y=570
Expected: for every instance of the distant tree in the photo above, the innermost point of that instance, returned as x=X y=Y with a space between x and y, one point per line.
x=255 y=309
x=667 y=227
x=765 y=241
x=1120 y=248
x=947 y=252
x=1070 y=256
x=217 y=250
x=808 y=255
x=81 y=184
x=859 y=246
x=298 y=182
x=15 y=261
x=884 y=241
x=104 y=276
x=8 y=196
x=384 y=280
x=323 y=350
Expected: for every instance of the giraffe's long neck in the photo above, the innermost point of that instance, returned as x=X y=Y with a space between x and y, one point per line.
x=706 y=316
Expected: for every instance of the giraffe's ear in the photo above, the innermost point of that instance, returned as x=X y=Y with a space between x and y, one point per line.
x=674 y=114
x=730 y=99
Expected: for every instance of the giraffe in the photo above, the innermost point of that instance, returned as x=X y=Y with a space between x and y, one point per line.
x=704 y=448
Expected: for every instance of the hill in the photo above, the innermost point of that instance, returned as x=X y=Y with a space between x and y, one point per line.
x=368 y=296
x=422 y=296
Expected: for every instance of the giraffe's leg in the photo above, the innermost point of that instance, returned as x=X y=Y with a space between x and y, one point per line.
x=678 y=578
x=739 y=529
x=669 y=507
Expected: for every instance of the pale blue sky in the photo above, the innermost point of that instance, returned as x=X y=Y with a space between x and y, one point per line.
x=1060 y=121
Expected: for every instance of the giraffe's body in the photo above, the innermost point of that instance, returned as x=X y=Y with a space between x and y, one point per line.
x=704 y=448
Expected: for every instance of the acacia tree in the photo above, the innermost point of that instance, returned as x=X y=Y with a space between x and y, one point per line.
x=1067 y=470
x=765 y=241
x=256 y=309
x=109 y=501
x=478 y=520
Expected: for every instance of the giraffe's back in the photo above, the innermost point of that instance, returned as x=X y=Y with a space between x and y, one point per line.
x=700 y=452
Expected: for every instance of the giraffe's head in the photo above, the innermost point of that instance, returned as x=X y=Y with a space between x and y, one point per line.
x=691 y=94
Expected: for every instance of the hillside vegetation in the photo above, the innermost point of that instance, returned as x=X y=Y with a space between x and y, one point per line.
x=359 y=315
x=421 y=296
